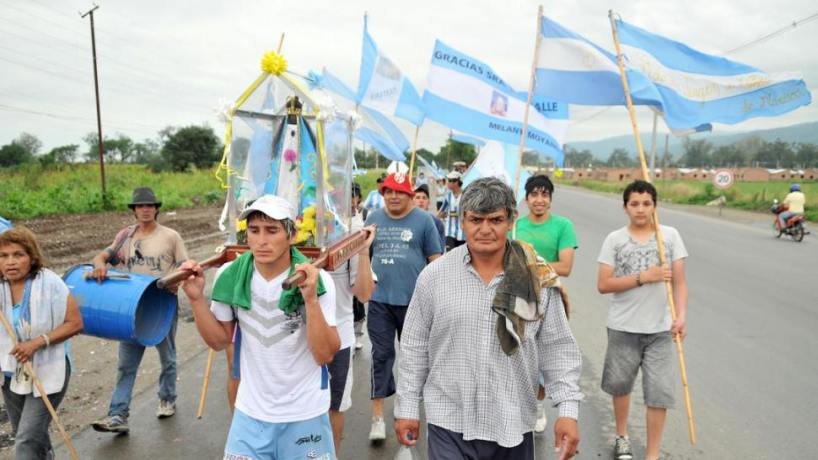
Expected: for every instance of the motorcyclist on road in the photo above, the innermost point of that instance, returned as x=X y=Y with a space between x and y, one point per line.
x=795 y=201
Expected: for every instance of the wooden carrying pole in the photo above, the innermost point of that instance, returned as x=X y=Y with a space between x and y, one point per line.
x=414 y=152
x=39 y=385
x=659 y=239
x=205 y=381
x=524 y=134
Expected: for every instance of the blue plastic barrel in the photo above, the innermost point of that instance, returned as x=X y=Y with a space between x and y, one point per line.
x=4 y=224
x=129 y=310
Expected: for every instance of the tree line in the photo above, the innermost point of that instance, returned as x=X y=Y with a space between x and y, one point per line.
x=175 y=149
x=180 y=149
x=451 y=152
x=700 y=153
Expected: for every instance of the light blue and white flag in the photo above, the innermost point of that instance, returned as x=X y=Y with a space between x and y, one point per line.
x=498 y=160
x=330 y=82
x=433 y=169
x=375 y=129
x=467 y=95
x=383 y=87
x=577 y=71
x=698 y=88
x=466 y=139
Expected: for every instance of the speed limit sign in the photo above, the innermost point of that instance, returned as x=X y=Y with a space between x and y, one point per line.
x=723 y=178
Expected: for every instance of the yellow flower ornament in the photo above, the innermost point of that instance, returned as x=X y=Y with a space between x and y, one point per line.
x=273 y=63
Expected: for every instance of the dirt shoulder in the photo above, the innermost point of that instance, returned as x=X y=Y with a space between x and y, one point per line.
x=74 y=239
x=727 y=213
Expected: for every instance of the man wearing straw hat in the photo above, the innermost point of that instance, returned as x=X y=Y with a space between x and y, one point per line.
x=640 y=330
x=284 y=341
x=149 y=248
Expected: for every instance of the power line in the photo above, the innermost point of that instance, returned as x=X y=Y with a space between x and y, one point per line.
x=46 y=71
x=118 y=87
x=79 y=119
x=41 y=18
x=47 y=61
x=109 y=60
x=773 y=34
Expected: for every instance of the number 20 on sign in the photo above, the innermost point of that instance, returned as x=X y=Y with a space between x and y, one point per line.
x=723 y=178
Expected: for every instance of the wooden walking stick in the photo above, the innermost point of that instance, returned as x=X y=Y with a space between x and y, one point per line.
x=524 y=134
x=29 y=369
x=205 y=382
x=659 y=239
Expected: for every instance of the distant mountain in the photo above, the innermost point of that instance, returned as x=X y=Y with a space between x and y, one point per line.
x=800 y=133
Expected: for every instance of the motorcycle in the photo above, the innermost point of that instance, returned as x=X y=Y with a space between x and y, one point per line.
x=796 y=225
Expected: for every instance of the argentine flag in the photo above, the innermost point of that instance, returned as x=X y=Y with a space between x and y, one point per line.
x=697 y=88
x=376 y=129
x=470 y=140
x=574 y=70
x=383 y=87
x=437 y=172
x=498 y=160
x=467 y=95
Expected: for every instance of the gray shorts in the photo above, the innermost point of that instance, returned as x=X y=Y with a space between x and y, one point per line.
x=627 y=352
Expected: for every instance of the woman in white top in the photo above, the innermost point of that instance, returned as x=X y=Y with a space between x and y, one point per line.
x=38 y=305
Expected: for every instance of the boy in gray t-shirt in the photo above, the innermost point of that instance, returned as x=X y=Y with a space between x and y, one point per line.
x=640 y=329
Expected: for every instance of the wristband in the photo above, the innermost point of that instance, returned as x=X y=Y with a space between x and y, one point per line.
x=639 y=282
x=47 y=340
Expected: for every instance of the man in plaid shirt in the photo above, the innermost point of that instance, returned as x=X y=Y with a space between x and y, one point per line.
x=480 y=399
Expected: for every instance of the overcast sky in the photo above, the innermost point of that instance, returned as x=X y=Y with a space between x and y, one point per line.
x=171 y=63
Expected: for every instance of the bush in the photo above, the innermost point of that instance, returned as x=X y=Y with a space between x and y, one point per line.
x=31 y=191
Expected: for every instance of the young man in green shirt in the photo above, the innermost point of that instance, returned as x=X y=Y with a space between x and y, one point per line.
x=551 y=235
x=554 y=240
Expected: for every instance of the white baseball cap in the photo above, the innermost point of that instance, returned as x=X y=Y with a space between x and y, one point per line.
x=454 y=175
x=272 y=206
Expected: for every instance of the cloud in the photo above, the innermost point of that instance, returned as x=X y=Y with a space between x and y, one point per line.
x=169 y=63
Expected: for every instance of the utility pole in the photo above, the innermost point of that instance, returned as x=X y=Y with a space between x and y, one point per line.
x=666 y=156
x=99 y=116
x=449 y=152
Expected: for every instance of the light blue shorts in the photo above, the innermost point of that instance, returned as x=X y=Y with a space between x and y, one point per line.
x=253 y=439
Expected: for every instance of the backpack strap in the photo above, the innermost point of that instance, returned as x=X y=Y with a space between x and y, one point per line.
x=124 y=234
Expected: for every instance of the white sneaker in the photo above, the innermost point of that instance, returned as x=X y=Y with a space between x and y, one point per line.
x=542 y=421
x=378 y=430
x=166 y=409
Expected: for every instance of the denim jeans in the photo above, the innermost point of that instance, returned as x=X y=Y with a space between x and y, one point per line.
x=30 y=419
x=784 y=216
x=385 y=321
x=130 y=355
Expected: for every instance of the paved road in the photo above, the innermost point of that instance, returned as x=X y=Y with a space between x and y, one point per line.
x=751 y=371
x=752 y=315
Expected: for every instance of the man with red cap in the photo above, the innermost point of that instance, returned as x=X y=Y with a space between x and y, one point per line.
x=406 y=241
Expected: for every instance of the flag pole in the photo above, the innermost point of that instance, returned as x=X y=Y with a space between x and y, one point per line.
x=414 y=151
x=659 y=239
x=525 y=116
x=653 y=147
